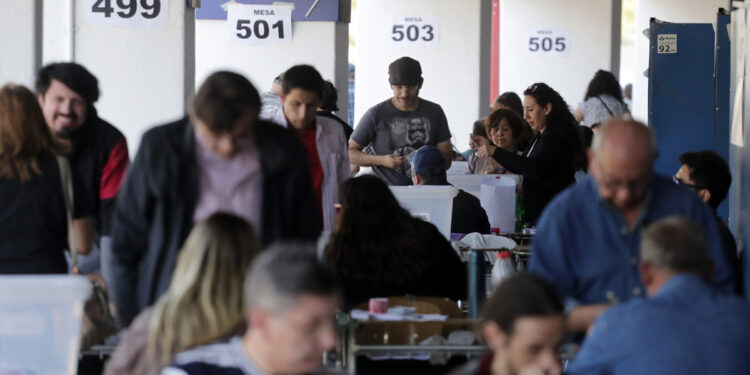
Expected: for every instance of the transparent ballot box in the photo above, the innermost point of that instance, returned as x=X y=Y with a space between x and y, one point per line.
x=430 y=203
x=40 y=323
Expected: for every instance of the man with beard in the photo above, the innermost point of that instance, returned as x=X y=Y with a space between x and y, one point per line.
x=588 y=238
x=99 y=153
x=395 y=128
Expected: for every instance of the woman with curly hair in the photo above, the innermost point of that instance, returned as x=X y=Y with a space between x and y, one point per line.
x=380 y=250
x=548 y=164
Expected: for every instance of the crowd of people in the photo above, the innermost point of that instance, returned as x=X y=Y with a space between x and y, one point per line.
x=237 y=232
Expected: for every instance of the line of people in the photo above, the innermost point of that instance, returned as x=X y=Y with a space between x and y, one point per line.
x=205 y=193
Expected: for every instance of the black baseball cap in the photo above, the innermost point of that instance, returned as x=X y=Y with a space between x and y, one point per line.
x=405 y=71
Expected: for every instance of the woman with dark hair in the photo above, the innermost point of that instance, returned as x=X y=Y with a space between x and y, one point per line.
x=33 y=222
x=603 y=100
x=380 y=250
x=509 y=100
x=328 y=105
x=548 y=164
x=503 y=127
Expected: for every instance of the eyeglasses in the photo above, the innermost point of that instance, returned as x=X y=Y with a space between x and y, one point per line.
x=677 y=181
x=531 y=89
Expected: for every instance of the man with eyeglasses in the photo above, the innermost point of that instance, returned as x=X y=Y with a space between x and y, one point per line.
x=706 y=173
x=587 y=240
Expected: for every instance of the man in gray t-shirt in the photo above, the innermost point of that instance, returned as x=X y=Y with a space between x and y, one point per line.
x=395 y=128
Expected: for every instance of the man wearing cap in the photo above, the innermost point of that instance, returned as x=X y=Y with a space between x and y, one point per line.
x=428 y=168
x=395 y=128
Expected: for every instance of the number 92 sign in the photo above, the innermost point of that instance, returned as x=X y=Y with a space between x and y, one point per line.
x=547 y=42
x=413 y=31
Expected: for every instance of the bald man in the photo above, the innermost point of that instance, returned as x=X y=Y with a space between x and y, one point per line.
x=587 y=241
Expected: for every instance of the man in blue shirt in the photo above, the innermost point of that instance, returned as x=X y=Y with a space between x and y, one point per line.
x=587 y=241
x=684 y=327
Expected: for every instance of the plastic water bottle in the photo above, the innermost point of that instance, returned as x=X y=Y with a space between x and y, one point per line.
x=503 y=268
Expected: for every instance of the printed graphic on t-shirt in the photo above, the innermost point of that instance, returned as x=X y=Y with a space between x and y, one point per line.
x=407 y=136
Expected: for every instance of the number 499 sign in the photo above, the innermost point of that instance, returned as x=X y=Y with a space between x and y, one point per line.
x=547 y=42
x=259 y=24
x=127 y=13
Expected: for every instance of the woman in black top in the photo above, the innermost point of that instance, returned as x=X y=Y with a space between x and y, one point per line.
x=548 y=164
x=380 y=250
x=33 y=223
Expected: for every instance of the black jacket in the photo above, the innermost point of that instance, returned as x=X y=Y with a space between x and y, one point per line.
x=548 y=169
x=444 y=273
x=100 y=158
x=154 y=209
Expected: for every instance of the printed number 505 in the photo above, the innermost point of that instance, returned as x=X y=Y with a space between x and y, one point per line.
x=546 y=44
x=128 y=8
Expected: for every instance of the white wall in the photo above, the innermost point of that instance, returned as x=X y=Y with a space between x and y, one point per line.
x=20 y=45
x=594 y=41
x=451 y=70
x=675 y=11
x=314 y=43
x=145 y=74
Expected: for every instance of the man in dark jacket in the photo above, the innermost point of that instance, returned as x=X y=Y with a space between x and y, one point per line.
x=67 y=93
x=220 y=158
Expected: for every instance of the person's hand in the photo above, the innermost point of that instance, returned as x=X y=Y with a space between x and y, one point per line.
x=486 y=150
x=97 y=280
x=475 y=141
x=392 y=161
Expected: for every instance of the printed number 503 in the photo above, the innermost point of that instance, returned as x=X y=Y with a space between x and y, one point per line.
x=412 y=33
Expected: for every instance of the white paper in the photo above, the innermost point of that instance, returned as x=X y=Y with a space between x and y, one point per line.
x=547 y=42
x=413 y=30
x=666 y=43
x=259 y=25
x=134 y=13
x=498 y=198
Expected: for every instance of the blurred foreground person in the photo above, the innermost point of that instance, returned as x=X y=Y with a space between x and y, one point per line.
x=523 y=324
x=684 y=327
x=33 y=220
x=291 y=301
x=203 y=302
x=221 y=158
x=380 y=250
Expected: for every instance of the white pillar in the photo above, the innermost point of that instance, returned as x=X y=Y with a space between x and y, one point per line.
x=675 y=11
x=322 y=44
x=20 y=26
x=146 y=75
x=591 y=29
x=452 y=69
